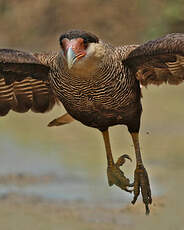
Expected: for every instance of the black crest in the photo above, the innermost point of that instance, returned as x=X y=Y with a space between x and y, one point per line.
x=88 y=37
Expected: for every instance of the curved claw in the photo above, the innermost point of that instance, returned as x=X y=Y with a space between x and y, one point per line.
x=131 y=185
x=121 y=160
x=128 y=190
x=127 y=157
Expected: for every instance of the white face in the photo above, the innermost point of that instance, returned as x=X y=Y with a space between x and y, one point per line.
x=94 y=52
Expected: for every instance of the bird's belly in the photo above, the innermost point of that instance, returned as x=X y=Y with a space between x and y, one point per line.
x=98 y=114
x=99 y=108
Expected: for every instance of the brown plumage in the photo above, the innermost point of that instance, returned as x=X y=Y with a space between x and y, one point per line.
x=24 y=83
x=98 y=84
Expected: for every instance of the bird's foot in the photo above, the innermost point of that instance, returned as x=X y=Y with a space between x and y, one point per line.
x=116 y=176
x=141 y=183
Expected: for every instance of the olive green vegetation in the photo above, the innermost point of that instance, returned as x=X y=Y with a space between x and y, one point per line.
x=36 y=25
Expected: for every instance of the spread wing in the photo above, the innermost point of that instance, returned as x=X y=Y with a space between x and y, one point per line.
x=159 y=61
x=24 y=82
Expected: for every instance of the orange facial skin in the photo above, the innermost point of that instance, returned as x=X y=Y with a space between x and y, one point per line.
x=77 y=46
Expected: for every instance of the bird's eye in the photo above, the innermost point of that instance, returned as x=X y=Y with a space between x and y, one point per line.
x=85 y=44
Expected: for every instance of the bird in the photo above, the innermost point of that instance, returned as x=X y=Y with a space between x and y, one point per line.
x=98 y=84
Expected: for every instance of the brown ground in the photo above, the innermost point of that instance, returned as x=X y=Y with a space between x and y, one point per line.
x=21 y=212
x=21 y=179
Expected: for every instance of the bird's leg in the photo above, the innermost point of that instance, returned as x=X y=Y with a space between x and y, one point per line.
x=114 y=173
x=141 y=180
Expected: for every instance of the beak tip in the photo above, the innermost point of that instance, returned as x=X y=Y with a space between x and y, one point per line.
x=69 y=66
x=70 y=57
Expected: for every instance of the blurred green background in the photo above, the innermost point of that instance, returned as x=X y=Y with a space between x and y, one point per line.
x=36 y=26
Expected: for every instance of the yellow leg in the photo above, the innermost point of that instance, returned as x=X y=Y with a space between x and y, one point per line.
x=114 y=173
x=110 y=160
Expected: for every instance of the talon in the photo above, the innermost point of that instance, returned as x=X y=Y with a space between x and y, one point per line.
x=127 y=156
x=147 y=210
x=121 y=160
x=116 y=175
x=128 y=190
x=141 y=183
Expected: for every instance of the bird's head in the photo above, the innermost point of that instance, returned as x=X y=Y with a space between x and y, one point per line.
x=79 y=47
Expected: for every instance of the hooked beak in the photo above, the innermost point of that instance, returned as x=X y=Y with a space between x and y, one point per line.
x=70 y=57
x=74 y=50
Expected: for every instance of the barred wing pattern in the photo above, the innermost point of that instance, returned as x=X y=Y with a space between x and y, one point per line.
x=24 y=83
x=159 y=61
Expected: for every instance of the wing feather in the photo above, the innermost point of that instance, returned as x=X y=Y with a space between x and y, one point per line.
x=24 y=82
x=159 y=61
